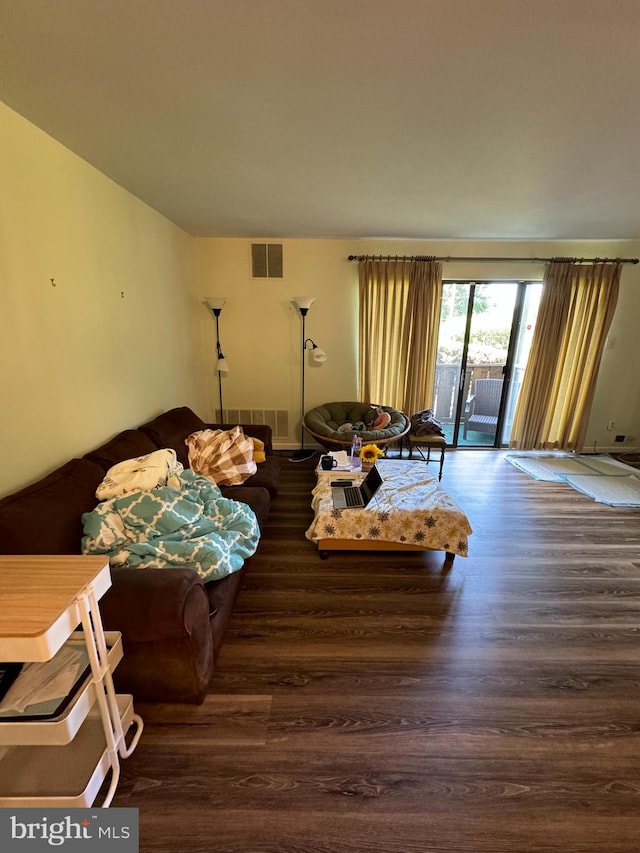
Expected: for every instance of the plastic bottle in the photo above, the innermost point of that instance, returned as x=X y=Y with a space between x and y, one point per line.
x=356 y=446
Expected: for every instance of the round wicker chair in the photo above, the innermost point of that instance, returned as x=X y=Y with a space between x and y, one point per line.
x=324 y=422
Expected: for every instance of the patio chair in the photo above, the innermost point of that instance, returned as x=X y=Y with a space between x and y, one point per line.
x=481 y=410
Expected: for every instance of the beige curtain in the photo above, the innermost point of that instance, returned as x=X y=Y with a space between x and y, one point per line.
x=399 y=318
x=576 y=308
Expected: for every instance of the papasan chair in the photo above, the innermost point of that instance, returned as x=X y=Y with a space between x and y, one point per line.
x=333 y=425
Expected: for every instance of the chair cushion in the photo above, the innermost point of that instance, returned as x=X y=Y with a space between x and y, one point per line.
x=435 y=440
x=483 y=420
x=325 y=420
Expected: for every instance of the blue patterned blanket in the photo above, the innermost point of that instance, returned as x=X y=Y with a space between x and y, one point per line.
x=193 y=527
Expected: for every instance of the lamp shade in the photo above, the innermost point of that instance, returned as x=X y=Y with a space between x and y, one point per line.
x=216 y=303
x=318 y=355
x=304 y=302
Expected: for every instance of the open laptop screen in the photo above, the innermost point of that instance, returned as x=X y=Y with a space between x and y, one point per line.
x=346 y=497
x=371 y=484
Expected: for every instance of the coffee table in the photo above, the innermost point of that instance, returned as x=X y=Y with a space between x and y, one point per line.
x=410 y=512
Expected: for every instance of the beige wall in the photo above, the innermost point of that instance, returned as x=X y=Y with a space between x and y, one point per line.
x=114 y=342
x=260 y=329
x=124 y=333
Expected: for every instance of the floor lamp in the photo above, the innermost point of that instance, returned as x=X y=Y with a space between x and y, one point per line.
x=303 y=303
x=216 y=304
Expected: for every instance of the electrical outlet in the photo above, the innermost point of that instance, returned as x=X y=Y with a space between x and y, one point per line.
x=610 y=426
x=619 y=438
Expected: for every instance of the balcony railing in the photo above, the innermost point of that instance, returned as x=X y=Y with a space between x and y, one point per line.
x=446 y=386
x=445 y=400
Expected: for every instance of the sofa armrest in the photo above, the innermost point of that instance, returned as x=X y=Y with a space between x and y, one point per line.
x=163 y=616
x=147 y=605
x=261 y=431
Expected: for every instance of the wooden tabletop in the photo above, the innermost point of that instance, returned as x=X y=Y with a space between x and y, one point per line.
x=35 y=590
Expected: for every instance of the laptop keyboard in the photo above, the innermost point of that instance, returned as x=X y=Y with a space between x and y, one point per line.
x=352 y=496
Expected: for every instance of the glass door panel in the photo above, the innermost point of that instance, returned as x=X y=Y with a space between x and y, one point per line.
x=484 y=376
x=474 y=346
x=523 y=335
x=451 y=352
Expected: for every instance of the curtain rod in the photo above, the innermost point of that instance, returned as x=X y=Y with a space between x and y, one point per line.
x=492 y=260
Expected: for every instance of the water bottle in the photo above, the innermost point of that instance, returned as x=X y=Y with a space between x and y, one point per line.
x=356 y=446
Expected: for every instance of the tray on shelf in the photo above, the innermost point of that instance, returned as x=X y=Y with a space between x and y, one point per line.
x=58 y=720
x=61 y=777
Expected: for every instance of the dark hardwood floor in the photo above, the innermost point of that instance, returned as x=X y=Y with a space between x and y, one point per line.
x=373 y=703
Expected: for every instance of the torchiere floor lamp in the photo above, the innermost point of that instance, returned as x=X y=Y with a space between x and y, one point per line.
x=303 y=303
x=216 y=304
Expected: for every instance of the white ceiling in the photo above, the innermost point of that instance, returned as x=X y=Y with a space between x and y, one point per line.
x=345 y=118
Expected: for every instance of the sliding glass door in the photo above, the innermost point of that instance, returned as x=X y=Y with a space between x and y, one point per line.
x=529 y=301
x=485 y=333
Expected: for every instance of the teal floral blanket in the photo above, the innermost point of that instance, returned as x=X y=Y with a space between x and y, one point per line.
x=190 y=527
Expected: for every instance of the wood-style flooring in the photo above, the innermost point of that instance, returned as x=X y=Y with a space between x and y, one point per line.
x=372 y=703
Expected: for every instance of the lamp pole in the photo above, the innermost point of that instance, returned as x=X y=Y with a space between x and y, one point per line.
x=216 y=312
x=303 y=303
x=303 y=311
x=216 y=303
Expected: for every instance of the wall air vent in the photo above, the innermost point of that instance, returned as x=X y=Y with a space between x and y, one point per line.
x=277 y=419
x=266 y=260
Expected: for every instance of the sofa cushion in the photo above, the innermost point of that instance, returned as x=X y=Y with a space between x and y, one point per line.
x=46 y=517
x=126 y=445
x=267 y=476
x=257 y=498
x=172 y=428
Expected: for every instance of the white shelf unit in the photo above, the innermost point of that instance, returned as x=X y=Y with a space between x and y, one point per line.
x=62 y=728
x=62 y=761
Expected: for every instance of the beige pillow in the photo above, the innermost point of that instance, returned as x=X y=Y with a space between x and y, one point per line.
x=258 y=451
x=223 y=456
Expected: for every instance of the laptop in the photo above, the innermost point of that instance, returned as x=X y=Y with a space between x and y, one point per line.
x=346 y=497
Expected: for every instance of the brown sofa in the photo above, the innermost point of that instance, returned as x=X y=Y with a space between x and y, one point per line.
x=172 y=623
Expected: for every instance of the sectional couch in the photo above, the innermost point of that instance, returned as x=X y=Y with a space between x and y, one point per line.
x=172 y=623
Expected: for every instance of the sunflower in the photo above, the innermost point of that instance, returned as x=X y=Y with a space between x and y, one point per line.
x=371 y=453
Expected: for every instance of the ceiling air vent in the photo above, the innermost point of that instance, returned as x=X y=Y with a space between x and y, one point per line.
x=266 y=260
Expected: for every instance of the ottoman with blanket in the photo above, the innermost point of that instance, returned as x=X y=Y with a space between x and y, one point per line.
x=409 y=512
